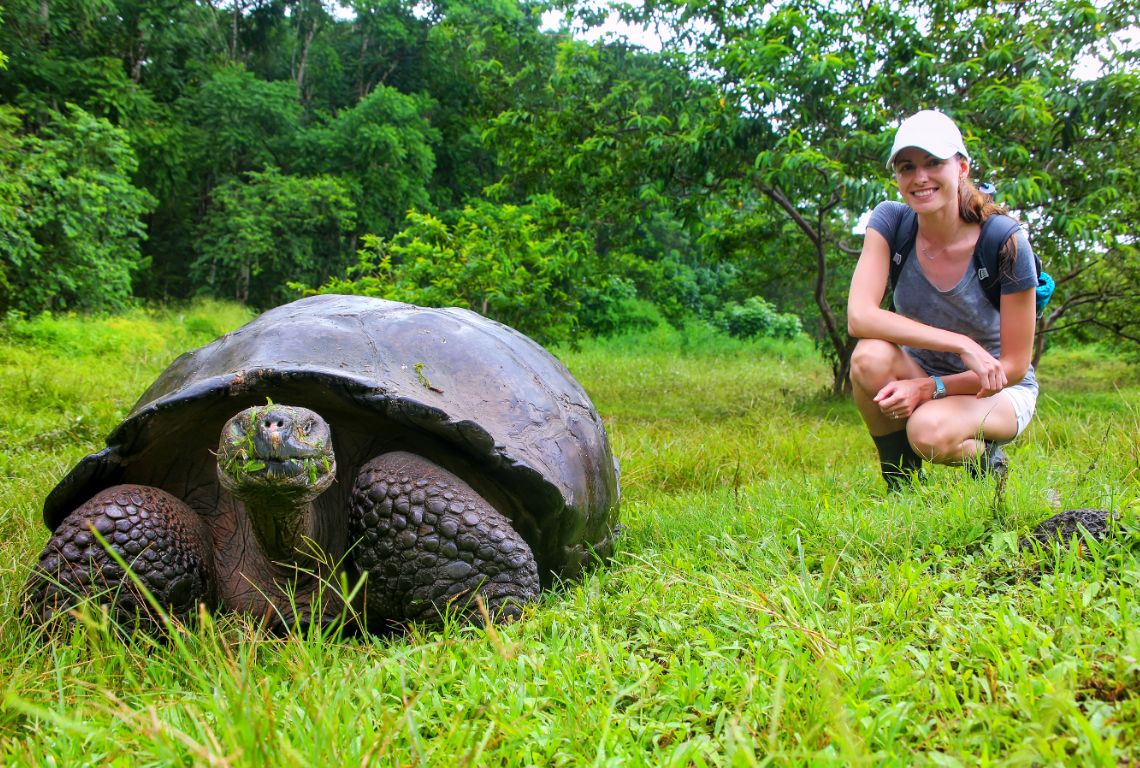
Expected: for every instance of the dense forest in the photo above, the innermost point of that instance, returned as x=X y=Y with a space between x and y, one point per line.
x=483 y=153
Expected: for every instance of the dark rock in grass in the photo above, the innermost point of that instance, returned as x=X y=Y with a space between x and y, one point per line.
x=1065 y=525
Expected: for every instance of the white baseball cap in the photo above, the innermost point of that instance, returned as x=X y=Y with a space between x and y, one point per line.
x=931 y=131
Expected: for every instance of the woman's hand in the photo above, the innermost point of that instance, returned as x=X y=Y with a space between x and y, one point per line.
x=898 y=399
x=991 y=374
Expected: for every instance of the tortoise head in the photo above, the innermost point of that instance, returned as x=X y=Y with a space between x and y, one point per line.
x=276 y=454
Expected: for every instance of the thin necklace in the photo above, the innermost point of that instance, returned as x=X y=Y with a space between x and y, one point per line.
x=931 y=256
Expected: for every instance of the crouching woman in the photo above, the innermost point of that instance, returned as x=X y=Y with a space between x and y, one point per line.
x=944 y=377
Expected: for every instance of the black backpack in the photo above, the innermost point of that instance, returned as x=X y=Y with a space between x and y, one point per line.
x=995 y=231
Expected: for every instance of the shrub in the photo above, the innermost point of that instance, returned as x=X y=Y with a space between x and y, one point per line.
x=756 y=317
x=70 y=215
x=614 y=307
x=267 y=228
x=521 y=265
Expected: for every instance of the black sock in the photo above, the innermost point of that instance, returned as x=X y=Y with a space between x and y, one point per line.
x=896 y=458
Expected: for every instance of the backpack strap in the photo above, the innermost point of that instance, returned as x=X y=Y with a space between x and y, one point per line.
x=996 y=230
x=901 y=244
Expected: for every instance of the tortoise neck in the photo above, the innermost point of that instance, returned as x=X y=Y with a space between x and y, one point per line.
x=285 y=528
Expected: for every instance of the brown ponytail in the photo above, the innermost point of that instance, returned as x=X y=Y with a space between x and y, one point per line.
x=974 y=207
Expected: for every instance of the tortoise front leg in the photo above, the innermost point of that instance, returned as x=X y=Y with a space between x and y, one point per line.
x=430 y=543
x=159 y=537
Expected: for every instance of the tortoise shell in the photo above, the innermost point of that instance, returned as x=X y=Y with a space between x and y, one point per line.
x=471 y=394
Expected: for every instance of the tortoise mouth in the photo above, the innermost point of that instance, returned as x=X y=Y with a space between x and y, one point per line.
x=307 y=477
x=284 y=469
x=311 y=471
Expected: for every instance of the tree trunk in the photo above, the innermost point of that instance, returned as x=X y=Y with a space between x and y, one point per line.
x=244 y=276
x=137 y=54
x=841 y=345
x=45 y=19
x=234 y=32
x=362 y=87
x=1043 y=326
x=309 y=35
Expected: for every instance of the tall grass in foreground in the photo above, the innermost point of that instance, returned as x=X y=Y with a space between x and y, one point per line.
x=767 y=605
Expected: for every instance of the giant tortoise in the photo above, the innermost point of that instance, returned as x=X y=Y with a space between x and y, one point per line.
x=468 y=462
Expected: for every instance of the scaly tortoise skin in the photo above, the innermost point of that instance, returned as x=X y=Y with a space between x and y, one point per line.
x=467 y=461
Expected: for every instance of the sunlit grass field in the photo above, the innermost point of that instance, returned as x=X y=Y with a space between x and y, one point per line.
x=768 y=604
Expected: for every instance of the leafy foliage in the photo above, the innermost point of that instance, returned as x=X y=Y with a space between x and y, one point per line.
x=381 y=150
x=71 y=216
x=241 y=123
x=516 y=264
x=268 y=229
x=757 y=317
x=733 y=163
x=814 y=90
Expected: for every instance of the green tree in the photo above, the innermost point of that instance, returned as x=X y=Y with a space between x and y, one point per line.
x=269 y=229
x=381 y=151
x=622 y=138
x=521 y=265
x=16 y=243
x=483 y=58
x=1083 y=221
x=240 y=124
x=816 y=87
x=70 y=53
x=19 y=251
x=72 y=219
x=229 y=124
x=386 y=37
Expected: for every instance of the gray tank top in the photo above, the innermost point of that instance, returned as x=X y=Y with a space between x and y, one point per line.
x=962 y=309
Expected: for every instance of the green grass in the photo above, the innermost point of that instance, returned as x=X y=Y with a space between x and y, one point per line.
x=767 y=604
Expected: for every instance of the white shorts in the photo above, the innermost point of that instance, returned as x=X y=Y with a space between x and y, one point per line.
x=1024 y=402
x=1023 y=398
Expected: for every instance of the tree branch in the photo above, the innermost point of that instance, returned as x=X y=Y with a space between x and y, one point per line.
x=781 y=200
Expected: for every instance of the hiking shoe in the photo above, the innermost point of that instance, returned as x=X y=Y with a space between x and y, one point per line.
x=992 y=461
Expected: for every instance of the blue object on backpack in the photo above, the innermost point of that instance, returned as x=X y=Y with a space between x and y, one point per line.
x=1045 y=288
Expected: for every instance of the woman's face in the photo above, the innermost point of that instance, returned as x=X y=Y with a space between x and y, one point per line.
x=929 y=183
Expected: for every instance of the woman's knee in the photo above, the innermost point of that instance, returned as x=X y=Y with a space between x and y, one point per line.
x=933 y=438
x=873 y=362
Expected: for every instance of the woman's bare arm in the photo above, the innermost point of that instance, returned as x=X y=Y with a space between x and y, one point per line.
x=867 y=320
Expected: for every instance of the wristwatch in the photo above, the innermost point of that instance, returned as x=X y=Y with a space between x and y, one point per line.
x=939 y=388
